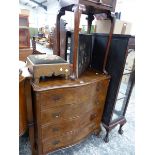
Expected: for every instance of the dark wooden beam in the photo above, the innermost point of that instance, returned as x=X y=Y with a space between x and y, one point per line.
x=40 y=4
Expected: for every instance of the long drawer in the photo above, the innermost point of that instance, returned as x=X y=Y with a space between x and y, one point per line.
x=69 y=139
x=59 y=129
x=67 y=112
x=59 y=97
x=85 y=93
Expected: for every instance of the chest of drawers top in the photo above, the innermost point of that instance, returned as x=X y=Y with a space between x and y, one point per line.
x=88 y=77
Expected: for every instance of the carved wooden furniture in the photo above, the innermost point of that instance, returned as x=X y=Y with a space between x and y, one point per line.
x=26 y=120
x=24 y=34
x=22 y=105
x=47 y=65
x=65 y=112
x=90 y=8
x=115 y=107
x=25 y=99
x=24 y=53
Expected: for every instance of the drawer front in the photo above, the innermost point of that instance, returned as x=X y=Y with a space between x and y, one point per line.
x=66 y=112
x=60 y=129
x=70 y=139
x=59 y=97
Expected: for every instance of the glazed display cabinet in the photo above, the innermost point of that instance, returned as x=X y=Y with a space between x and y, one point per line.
x=119 y=94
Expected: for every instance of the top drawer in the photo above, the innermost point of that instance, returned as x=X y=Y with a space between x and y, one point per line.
x=59 y=97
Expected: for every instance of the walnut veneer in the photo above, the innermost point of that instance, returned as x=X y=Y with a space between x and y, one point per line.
x=66 y=111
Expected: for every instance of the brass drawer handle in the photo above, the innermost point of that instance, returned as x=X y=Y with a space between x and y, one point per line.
x=55 y=142
x=55 y=129
x=56 y=115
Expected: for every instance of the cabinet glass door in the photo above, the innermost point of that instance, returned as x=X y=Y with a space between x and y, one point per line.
x=121 y=98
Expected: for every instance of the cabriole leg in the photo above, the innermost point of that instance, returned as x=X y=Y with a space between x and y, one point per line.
x=106 y=138
x=120 y=131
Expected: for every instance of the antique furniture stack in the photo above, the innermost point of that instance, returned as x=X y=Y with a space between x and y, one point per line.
x=64 y=111
x=24 y=34
x=24 y=37
x=22 y=102
x=25 y=100
x=24 y=51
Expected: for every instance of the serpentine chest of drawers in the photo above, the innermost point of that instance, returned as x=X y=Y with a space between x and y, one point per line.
x=66 y=111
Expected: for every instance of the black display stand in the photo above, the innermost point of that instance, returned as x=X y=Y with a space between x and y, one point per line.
x=120 y=47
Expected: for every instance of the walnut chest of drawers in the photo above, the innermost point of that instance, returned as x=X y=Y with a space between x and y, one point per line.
x=66 y=112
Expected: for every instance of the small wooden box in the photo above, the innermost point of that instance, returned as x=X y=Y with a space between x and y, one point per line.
x=47 y=65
